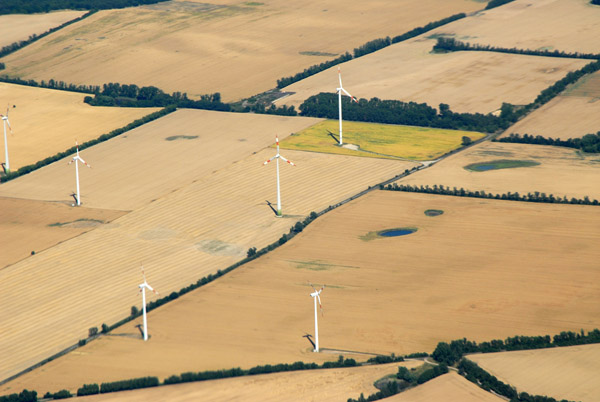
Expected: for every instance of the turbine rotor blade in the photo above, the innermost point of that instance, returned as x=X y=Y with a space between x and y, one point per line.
x=8 y=122
x=290 y=162
x=340 y=76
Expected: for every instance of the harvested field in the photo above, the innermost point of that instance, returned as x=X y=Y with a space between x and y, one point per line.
x=563 y=117
x=199 y=49
x=570 y=26
x=588 y=87
x=517 y=274
x=155 y=159
x=467 y=81
x=47 y=121
x=32 y=226
x=563 y=373
x=18 y=27
x=561 y=171
x=180 y=237
x=378 y=140
x=450 y=387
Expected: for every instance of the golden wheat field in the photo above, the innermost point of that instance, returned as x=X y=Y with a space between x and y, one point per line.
x=563 y=373
x=467 y=81
x=570 y=26
x=135 y=168
x=236 y=48
x=521 y=269
x=18 y=27
x=561 y=171
x=180 y=237
x=28 y=226
x=45 y=121
x=450 y=387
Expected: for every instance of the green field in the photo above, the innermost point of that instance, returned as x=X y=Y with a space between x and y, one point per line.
x=379 y=140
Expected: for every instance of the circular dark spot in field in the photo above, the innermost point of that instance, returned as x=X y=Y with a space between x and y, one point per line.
x=434 y=212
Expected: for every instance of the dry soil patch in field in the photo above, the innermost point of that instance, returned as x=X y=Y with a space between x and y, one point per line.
x=520 y=269
x=450 y=387
x=28 y=226
x=238 y=49
x=467 y=81
x=18 y=27
x=133 y=169
x=570 y=26
x=561 y=171
x=175 y=238
x=563 y=373
x=46 y=121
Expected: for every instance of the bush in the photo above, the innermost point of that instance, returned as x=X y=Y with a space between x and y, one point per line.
x=92 y=332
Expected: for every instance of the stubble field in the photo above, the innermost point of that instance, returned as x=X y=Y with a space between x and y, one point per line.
x=563 y=373
x=18 y=27
x=46 y=121
x=467 y=81
x=561 y=171
x=515 y=275
x=203 y=48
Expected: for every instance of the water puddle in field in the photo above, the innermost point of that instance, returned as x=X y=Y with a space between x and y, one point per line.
x=397 y=232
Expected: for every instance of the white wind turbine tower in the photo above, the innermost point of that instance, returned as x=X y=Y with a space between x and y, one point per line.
x=315 y=296
x=77 y=159
x=143 y=288
x=5 y=121
x=339 y=92
x=277 y=156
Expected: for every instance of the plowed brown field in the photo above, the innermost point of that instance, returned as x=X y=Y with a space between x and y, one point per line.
x=180 y=237
x=236 y=48
x=467 y=81
x=563 y=373
x=18 y=27
x=46 y=121
x=562 y=171
x=485 y=269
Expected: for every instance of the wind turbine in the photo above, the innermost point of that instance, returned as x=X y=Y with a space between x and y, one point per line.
x=277 y=156
x=5 y=121
x=143 y=288
x=76 y=159
x=315 y=296
x=339 y=92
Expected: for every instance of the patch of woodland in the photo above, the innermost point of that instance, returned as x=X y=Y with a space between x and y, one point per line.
x=44 y=6
x=588 y=143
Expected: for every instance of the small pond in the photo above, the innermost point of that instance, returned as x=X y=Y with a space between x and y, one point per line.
x=397 y=232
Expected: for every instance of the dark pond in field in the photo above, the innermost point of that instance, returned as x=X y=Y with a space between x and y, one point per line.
x=434 y=212
x=397 y=232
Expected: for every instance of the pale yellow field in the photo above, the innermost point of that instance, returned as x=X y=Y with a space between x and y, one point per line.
x=18 y=27
x=447 y=388
x=142 y=165
x=46 y=121
x=562 y=373
x=27 y=226
x=467 y=81
x=521 y=269
x=563 y=117
x=570 y=26
x=180 y=237
x=228 y=46
x=562 y=171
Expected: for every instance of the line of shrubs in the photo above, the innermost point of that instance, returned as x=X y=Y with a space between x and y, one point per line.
x=496 y=3
x=51 y=84
x=472 y=372
x=450 y=353
x=104 y=137
x=367 y=48
x=588 y=143
x=116 y=386
x=529 y=197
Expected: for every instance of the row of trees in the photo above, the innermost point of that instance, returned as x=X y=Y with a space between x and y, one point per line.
x=536 y=196
x=23 y=396
x=51 y=84
x=367 y=48
x=452 y=45
x=450 y=353
x=587 y=143
x=44 y=6
x=496 y=3
x=397 y=112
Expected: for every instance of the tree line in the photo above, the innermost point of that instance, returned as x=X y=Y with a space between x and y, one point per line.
x=51 y=84
x=367 y=48
x=496 y=3
x=23 y=396
x=452 y=45
x=536 y=196
x=44 y=6
x=588 y=143
x=450 y=353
